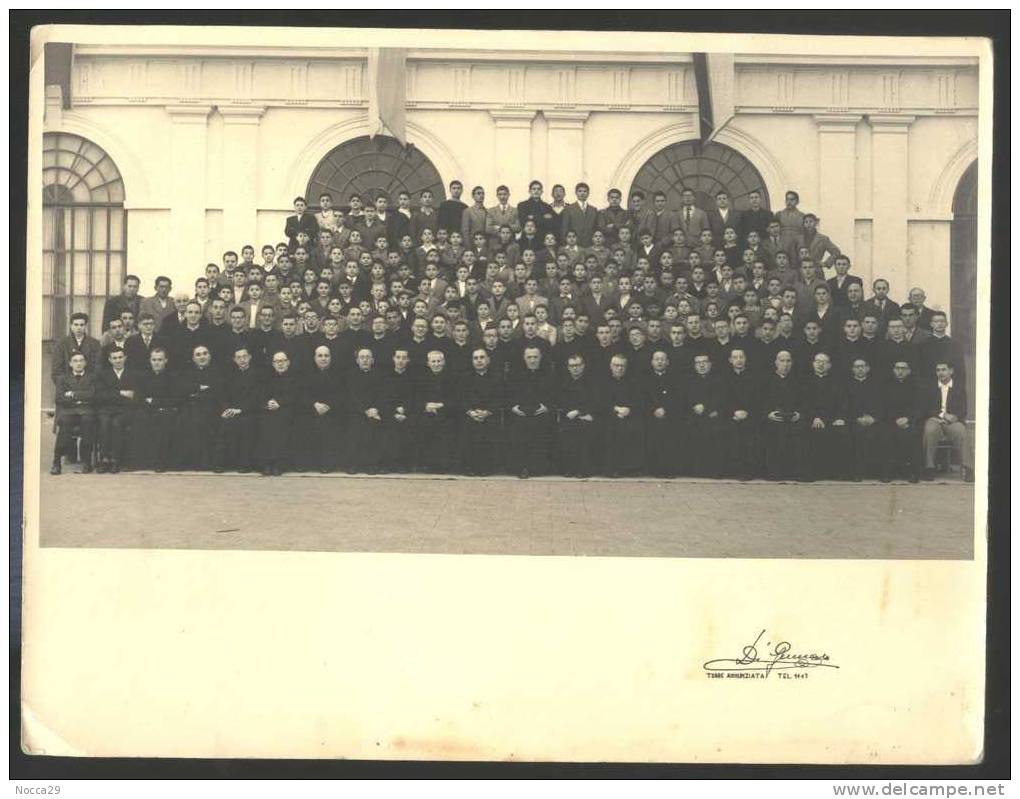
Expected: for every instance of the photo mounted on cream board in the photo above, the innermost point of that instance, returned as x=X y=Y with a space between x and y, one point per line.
x=561 y=399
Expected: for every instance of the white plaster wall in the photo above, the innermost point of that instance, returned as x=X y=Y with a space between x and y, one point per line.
x=934 y=141
x=149 y=251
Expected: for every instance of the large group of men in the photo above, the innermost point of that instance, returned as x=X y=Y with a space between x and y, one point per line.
x=530 y=338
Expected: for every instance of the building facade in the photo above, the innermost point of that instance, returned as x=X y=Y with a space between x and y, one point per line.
x=163 y=157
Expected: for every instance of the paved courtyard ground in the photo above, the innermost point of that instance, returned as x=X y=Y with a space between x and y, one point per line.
x=508 y=516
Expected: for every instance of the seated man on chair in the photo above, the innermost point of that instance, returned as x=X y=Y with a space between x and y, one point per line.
x=75 y=400
x=943 y=409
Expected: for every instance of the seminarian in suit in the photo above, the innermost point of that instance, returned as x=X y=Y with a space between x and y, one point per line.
x=581 y=217
x=839 y=283
x=301 y=220
x=724 y=216
x=473 y=219
x=498 y=215
x=943 y=406
x=692 y=220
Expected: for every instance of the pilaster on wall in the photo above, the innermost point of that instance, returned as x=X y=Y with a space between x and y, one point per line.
x=837 y=161
x=187 y=183
x=240 y=173
x=512 y=156
x=890 y=153
x=566 y=147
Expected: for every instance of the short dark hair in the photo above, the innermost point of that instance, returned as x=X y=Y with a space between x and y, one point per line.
x=299 y=200
x=79 y=315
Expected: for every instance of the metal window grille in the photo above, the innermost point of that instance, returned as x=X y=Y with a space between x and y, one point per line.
x=704 y=168
x=371 y=167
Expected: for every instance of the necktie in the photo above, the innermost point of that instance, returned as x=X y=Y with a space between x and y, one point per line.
x=688 y=213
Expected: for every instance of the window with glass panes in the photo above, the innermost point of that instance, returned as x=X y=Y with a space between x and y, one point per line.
x=703 y=168
x=372 y=167
x=84 y=232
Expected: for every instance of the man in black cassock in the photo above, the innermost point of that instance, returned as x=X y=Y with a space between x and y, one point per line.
x=482 y=401
x=826 y=432
x=434 y=399
x=365 y=419
x=277 y=403
x=781 y=421
x=238 y=414
x=398 y=419
x=740 y=418
x=705 y=407
x=152 y=427
x=664 y=415
x=578 y=403
x=622 y=409
x=531 y=419
x=903 y=451
x=319 y=412
x=866 y=412
x=200 y=386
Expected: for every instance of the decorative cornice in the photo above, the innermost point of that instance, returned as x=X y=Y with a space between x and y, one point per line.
x=189 y=114
x=837 y=123
x=566 y=120
x=891 y=123
x=241 y=114
x=512 y=119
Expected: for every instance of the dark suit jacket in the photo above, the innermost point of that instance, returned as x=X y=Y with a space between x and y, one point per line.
x=306 y=222
x=734 y=220
x=839 y=292
x=583 y=223
x=698 y=223
x=891 y=311
x=931 y=399
x=67 y=346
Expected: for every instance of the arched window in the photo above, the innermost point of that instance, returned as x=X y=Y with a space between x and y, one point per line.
x=963 y=268
x=373 y=166
x=705 y=168
x=84 y=231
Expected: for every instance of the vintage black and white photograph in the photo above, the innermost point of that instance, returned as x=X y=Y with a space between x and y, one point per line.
x=512 y=301
x=506 y=395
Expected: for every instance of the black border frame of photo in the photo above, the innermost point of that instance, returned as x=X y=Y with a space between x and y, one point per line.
x=991 y=24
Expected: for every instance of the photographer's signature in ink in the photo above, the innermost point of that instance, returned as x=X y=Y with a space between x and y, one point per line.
x=762 y=657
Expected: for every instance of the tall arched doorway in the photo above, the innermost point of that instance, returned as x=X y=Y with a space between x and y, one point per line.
x=963 y=268
x=372 y=166
x=705 y=168
x=84 y=231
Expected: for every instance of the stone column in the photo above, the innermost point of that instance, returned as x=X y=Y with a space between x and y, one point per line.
x=837 y=161
x=240 y=173
x=187 y=159
x=890 y=152
x=512 y=154
x=566 y=148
